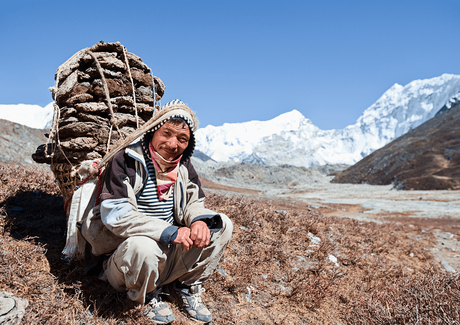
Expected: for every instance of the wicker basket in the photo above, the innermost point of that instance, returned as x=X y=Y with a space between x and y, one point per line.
x=102 y=95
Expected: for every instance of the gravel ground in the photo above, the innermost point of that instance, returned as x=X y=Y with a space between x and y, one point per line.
x=436 y=212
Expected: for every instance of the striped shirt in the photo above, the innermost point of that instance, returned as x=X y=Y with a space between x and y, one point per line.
x=148 y=202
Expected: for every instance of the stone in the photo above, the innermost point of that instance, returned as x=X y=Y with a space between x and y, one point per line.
x=83 y=129
x=122 y=100
x=117 y=87
x=80 y=98
x=12 y=309
x=67 y=111
x=110 y=62
x=69 y=66
x=79 y=144
x=107 y=47
x=127 y=119
x=92 y=107
x=447 y=267
x=315 y=241
x=87 y=117
x=140 y=77
x=159 y=87
x=67 y=120
x=70 y=87
x=136 y=62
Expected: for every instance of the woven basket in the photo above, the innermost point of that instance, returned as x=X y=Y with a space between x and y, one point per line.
x=102 y=95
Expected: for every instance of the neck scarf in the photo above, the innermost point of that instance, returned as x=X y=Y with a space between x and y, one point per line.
x=165 y=172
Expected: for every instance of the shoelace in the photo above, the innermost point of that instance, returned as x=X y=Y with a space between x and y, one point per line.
x=196 y=297
x=155 y=301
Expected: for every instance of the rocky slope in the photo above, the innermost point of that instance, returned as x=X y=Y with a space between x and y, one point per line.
x=426 y=158
x=260 y=177
x=18 y=142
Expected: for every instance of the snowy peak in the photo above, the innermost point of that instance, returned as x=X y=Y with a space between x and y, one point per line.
x=401 y=109
x=33 y=116
x=292 y=139
x=232 y=141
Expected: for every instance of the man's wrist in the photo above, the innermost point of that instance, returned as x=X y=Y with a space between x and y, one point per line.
x=197 y=221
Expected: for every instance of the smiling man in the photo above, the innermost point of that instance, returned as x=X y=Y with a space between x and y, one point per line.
x=156 y=237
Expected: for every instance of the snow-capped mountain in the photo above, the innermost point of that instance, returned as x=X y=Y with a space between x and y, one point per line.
x=33 y=116
x=293 y=139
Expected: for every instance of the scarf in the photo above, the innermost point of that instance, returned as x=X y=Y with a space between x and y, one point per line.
x=165 y=173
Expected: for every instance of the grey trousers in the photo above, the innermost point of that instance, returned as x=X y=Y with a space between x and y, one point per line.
x=140 y=264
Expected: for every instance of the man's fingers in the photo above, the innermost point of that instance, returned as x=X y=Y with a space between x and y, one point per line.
x=203 y=239
x=187 y=243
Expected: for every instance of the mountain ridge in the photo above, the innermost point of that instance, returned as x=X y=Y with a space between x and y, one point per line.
x=398 y=110
x=426 y=158
x=293 y=139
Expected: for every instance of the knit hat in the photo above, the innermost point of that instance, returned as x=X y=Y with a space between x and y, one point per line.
x=169 y=110
x=177 y=108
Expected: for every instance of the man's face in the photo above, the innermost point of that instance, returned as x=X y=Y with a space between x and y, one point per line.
x=171 y=140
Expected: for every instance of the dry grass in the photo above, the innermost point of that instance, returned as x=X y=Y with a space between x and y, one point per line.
x=271 y=273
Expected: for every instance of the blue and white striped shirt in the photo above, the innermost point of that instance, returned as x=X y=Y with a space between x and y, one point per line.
x=148 y=202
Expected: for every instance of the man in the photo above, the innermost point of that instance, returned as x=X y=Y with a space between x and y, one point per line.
x=155 y=229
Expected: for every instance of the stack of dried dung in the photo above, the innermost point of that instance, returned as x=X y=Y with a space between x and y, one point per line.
x=102 y=94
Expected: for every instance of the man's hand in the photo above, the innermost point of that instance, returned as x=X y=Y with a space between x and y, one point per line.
x=183 y=237
x=200 y=234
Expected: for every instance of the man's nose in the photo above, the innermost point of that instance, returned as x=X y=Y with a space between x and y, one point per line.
x=173 y=143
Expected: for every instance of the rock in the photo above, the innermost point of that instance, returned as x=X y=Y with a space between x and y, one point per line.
x=70 y=87
x=333 y=259
x=116 y=88
x=83 y=129
x=447 y=267
x=69 y=66
x=140 y=77
x=79 y=144
x=67 y=111
x=92 y=107
x=67 y=120
x=109 y=61
x=221 y=271
x=12 y=309
x=84 y=117
x=136 y=62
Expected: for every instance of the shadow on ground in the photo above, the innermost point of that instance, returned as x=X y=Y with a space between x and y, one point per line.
x=39 y=216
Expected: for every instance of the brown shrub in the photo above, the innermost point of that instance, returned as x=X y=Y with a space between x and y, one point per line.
x=275 y=270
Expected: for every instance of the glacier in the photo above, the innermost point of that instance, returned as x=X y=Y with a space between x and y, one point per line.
x=293 y=139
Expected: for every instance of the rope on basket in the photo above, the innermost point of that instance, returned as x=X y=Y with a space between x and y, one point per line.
x=132 y=85
x=113 y=120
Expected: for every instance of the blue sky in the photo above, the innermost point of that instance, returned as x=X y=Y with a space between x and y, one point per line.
x=235 y=61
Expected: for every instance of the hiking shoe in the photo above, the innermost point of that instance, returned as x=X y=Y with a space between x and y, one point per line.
x=158 y=310
x=189 y=298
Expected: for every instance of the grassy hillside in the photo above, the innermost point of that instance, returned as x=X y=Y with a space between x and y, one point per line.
x=281 y=267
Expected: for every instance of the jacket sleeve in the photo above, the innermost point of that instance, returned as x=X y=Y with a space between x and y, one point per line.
x=192 y=204
x=119 y=206
x=193 y=176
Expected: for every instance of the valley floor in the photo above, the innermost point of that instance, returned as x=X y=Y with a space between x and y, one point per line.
x=295 y=256
x=436 y=212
